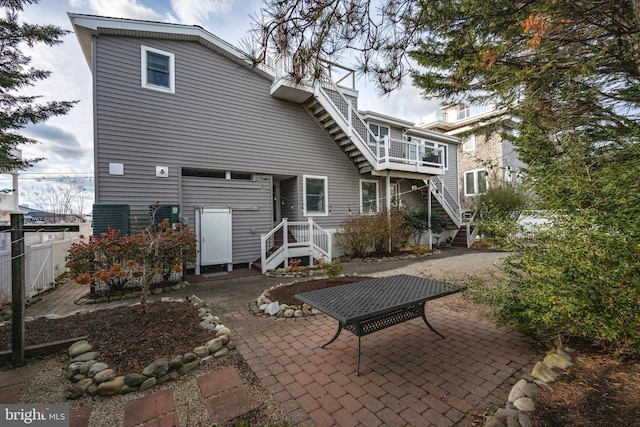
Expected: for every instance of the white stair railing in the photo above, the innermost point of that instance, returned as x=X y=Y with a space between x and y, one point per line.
x=310 y=240
x=446 y=199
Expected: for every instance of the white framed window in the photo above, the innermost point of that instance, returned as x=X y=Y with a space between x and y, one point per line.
x=475 y=182
x=469 y=143
x=369 y=201
x=379 y=132
x=436 y=153
x=158 y=69
x=315 y=189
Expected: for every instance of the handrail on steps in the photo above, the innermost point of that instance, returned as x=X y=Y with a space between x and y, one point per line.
x=311 y=239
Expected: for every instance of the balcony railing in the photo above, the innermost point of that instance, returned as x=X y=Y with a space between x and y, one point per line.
x=411 y=156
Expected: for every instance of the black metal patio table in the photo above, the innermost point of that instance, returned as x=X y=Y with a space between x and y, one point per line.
x=372 y=305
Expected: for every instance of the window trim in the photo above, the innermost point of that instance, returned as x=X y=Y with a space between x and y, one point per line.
x=380 y=140
x=306 y=212
x=144 y=50
x=475 y=181
x=377 y=207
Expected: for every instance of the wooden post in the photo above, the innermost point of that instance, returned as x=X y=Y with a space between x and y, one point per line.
x=17 y=289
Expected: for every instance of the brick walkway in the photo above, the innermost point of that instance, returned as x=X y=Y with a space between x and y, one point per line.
x=409 y=375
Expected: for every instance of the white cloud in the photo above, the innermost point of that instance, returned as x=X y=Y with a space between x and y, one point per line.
x=197 y=12
x=121 y=9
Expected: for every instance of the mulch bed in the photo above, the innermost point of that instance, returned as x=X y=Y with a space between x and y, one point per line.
x=127 y=339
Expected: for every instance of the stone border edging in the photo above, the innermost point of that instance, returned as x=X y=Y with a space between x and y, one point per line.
x=96 y=378
x=520 y=401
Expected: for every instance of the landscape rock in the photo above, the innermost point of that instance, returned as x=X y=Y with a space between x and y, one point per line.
x=556 y=361
x=105 y=376
x=531 y=390
x=157 y=368
x=189 y=357
x=544 y=373
x=221 y=353
x=134 y=380
x=214 y=345
x=272 y=308
x=148 y=383
x=78 y=348
x=111 y=387
x=525 y=404
x=176 y=362
x=97 y=367
x=85 y=357
x=188 y=367
x=171 y=376
x=202 y=351
x=517 y=391
x=127 y=389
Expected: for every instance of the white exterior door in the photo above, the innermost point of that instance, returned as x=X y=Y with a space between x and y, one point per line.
x=214 y=234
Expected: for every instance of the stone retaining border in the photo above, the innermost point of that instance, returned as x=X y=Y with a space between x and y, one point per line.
x=96 y=378
x=520 y=402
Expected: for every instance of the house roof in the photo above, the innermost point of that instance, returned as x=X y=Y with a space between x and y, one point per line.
x=460 y=126
x=88 y=26
x=410 y=127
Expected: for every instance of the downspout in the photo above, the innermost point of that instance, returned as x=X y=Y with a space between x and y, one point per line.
x=429 y=232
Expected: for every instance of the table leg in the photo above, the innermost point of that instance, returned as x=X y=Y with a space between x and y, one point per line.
x=358 y=365
x=424 y=317
x=335 y=337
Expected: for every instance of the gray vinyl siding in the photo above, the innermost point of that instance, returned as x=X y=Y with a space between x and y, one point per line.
x=250 y=203
x=450 y=178
x=221 y=117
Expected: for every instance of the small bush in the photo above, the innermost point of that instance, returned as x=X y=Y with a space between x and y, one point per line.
x=376 y=234
x=112 y=261
x=331 y=269
x=498 y=212
x=418 y=222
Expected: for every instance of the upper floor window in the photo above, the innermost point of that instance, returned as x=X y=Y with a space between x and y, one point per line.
x=436 y=153
x=469 y=143
x=475 y=182
x=315 y=195
x=379 y=132
x=368 y=196
x=158 y=69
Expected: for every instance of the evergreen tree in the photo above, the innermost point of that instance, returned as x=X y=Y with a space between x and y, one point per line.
x=16 y=110
x=569 y=72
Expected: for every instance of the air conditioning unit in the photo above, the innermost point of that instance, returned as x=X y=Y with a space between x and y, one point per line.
x=107 y=216
x=157 y=214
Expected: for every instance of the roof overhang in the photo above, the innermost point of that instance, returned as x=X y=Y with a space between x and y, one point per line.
x=88 y=26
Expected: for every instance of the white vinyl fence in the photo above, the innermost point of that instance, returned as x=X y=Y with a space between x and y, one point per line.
x=45 y=254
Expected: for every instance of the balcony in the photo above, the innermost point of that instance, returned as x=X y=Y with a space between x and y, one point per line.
x=409 y=156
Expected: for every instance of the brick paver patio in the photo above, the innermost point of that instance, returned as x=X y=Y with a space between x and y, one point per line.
x=409 y=375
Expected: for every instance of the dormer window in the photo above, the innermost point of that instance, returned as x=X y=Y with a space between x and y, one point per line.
x=158 y=69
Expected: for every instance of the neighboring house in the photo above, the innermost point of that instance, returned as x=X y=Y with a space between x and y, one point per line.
x=184 y=118
x=482 y=160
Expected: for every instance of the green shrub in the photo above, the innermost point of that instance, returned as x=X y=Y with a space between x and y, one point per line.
x=331 y=269
x=498 y=210
x=576 y=280
x=418 y=222
x=364 y=235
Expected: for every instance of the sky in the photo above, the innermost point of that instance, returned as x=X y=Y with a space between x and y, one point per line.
x=67 y=141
